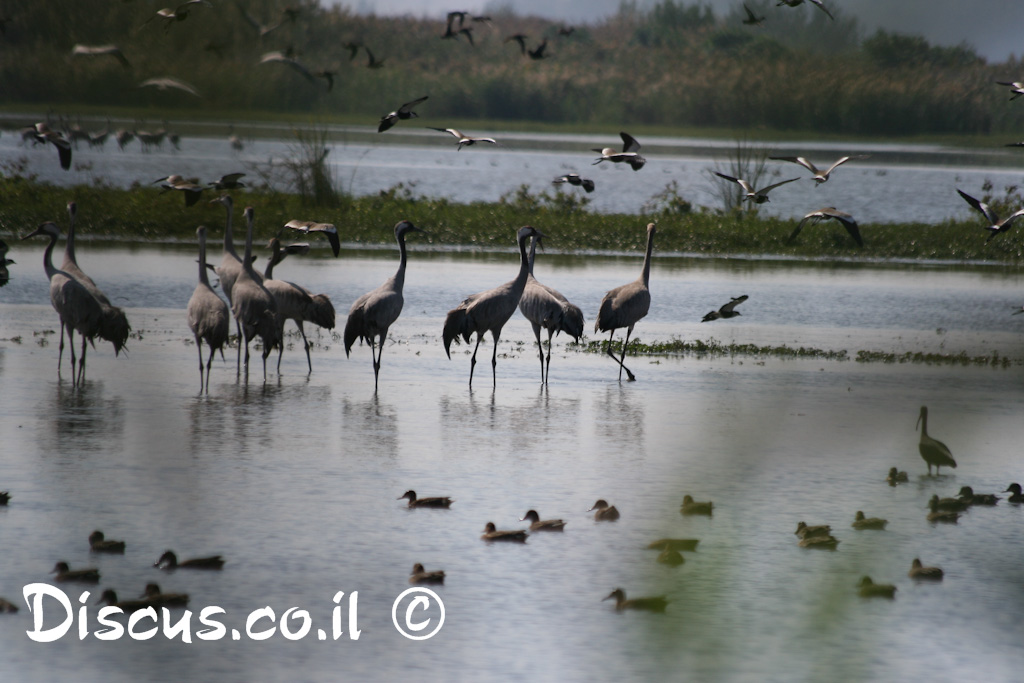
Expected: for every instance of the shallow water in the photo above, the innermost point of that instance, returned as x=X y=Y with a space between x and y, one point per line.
x=294 y=481
x=898 y=183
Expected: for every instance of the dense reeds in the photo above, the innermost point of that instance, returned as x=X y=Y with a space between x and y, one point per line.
x=673 y=65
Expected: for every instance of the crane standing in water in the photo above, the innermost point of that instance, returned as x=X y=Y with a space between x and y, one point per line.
x=625 y=305
x=252 y=305
x=932 y=450
x=208 y=316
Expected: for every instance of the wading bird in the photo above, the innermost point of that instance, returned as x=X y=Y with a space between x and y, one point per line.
x=654 y=604
x=932 y=450
x=488 y=311
x=77 y=308
x=464 y=140
x=995 y=225
x=819 y=175
x=575 y=179
x=252 y=305
x=278 y=57
x=547 y=308
x=403 y=113
x=5 y=275
x=630 y=153
x=519 y=38
x=624 y=306
x=725 y=311
x=796 y=3
x=179 y=13
x=372 y=314
x=208 y=316
x=295 y=303
x=829 y=212
x=229 y=268
x=229 y=181
x=538 y=52
x=371 y=61
x=100 y=51
x=752 y=195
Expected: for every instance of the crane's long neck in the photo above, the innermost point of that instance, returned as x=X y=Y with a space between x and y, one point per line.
x=48 y=258
x=247 y=261
x=924 y=424
x=646 y=274
x=203 y=278
x=229 y=239
x=402 y=259
x=524 y=265
x=69 y=244
x=533 y=253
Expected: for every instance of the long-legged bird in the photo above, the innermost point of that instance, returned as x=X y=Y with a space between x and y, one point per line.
x=625 y=305
x=932 y=450
x=252 y=305
x=208 y=316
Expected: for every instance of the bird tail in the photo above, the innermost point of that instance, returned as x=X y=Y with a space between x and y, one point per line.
x=455 y=325
x=322 y=312
x=114 y=327
x=572 y=321
x=354 y=328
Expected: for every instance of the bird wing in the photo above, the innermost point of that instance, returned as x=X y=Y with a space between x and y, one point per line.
x=327 y=229
x=820 y=5
x=844 y=160
x=847 y=221
x=450 y=131
x=742 y=183
x=1012 y=217
x=800 y=225
x=629 y=143
x=165 y=83
x=231 y=177
x=981 y=207
x=407 y=107
x=772 y=187
x=798 y=160
x=588 y=185
x=750 y=15
x=727 y=308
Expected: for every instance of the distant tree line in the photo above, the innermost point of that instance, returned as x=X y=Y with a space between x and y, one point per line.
x=670 y=64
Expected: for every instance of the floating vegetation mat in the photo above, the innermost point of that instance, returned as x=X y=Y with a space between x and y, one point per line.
x=713 y=348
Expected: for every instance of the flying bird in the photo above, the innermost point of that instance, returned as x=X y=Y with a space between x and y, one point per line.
x=179 y=13
x=630 y=153
x=262 y=29
x=752 y=19
x=43 y=133
x=462 y=138
x=325 y=229
x=624 y=306
x=820 y=176
x=190 y=187
x=229 y=181
x=575 y=179
x=538 y=52
x=995 y=225
x=167 y=83
x=827 y=213
x=371 y=61
x=519 y=38
x=725 y=311
x=278 y=57
x=1016 y=88
x=817 y=3
x=756 y=196
x=403 y=113
x=100 y=51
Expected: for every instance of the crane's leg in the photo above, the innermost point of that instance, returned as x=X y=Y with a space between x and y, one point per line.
x=81 y=365
x=71 y=345
x=540 y=349
x=376 y=360
x=199 y=347
x=305 y=342
x=245 y=340
x=625 y=345
x=60 y=356
x=238 y=331
x=547 y=365
x=209 y=363
x=280 y=349
x=494 y=357
x=472 y=361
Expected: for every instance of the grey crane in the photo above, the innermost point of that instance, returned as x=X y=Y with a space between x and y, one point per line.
x=932 y=450
x=78 y=309
x=208 y=316
x=295 y=303
x=5 y=276
x=229 y=268
x=252 y=305
x=625 y=305
x=488 y=311
x=546 y=307
x=114 y=326
x=372 y=314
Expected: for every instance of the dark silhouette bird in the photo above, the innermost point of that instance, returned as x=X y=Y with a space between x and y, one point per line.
x=114 y=51
x=653 y=604
x=519 y=38
x=179 y=13
x=819 y=542
x=459 y=15
x=752 y=195
x=435 y=502
x=796 y=3
x=109 y=597
x=295 y=302
x=805 y=531
x=919 y=571
x=158 y=598
x=403 y=113
x=312 y=227
x=66 y=574
x=353 y=48
x=948 y=504
x=538 y=524
x=696 y=507
x=464 y=140
x=566 y=31
x=869 y=589
x=819 y=175
x=278 y=57
x=937 y=514
x=5 y=497
x=252 y=305
x=829 y=212
x=932 y=450
x=169 y=561
x=624 y=306
x=371 y=61
x=1016 y=88
x=372 y=314
x=166 y=83
x=228 y=181
x=603 y=512
x=421 y=576
x=488 y=311
x=43 y=133
x=725 y=311
x=123 y=136
x=968 y=496
x=209 y=317
x=492 y=533
x=98 y=543
x=1016 y=494
x=547 y=308
x=190 y=188
x=538 y=52
x=630 y=153
x=861 y=522
x=896 y=477
x=576 y=180
x=5 y=275
x=77 y=308
x=995 y=225
x=752 y=19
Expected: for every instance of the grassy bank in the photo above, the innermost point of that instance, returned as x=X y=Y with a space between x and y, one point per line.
x=146 y=215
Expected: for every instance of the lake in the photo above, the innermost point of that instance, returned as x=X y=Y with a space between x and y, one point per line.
x=294 y=481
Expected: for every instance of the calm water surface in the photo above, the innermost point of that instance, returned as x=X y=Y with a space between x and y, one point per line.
x=294 y=481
